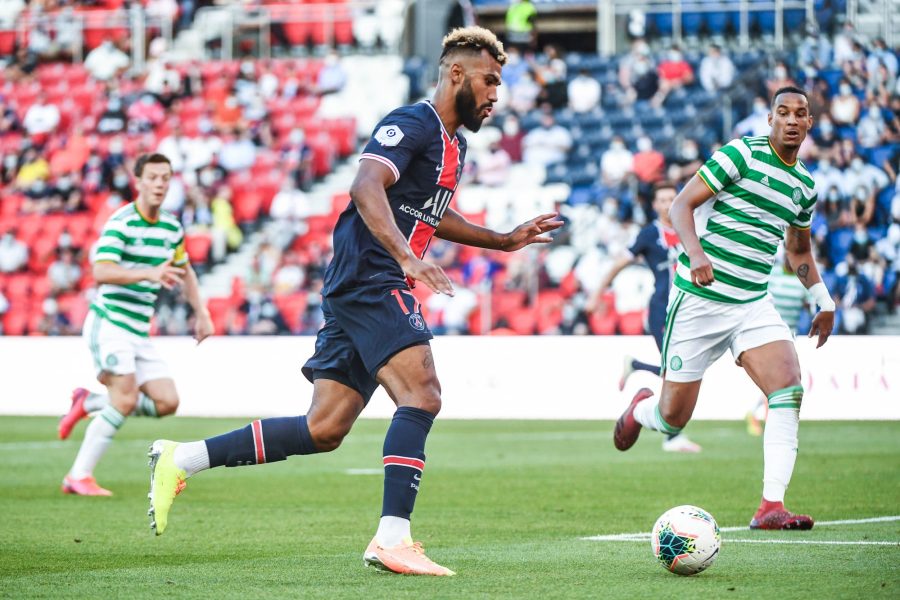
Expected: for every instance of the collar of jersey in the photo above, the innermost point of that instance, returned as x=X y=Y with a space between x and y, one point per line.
x=441 y=123
x=784 y=162
x=141 y=215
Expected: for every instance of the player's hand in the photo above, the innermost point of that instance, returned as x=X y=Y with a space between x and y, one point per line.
x=166 y=275
x=431 y=275
x=530 y=232
x=203 y=328
x=701 y=270
x=822 y=325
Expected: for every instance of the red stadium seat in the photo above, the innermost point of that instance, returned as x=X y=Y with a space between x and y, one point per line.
x=504 y=303
x=7 y=42
x=220 y=310
x=18 y=288
x=197 y=246
x=15 y=322
x=522 y=321
x=292 y=307
x=603 y=324
x=34 y=321
x=247 y=206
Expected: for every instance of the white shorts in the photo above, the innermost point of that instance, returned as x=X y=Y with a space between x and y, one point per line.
x=698 y=331
x=121 y=352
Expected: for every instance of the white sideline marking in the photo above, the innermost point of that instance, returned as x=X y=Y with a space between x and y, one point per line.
x=363 y=471
x=645 y=537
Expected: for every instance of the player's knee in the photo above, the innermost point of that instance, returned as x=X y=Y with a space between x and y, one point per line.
x=166 y=405
x=427 y=398
x=674 y=416
x=327 y=435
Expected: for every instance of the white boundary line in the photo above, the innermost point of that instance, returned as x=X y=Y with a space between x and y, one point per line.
x=645 y=537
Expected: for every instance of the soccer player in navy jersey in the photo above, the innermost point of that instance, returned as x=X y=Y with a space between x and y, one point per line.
x=657 y=244
x=374 y=333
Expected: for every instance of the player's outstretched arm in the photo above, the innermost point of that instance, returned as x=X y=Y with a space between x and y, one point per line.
x=114 y=273
x=455 y=228
x=798 y=248
x=694 y=194
x=203 y=327
x=369 y=197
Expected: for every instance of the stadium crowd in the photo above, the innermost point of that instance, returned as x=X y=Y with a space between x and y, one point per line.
x=247 y=149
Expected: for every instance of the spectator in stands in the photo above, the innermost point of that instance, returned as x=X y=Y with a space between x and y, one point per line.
x=64 y=273
x=9 y=13
x=512 y=137
x=332 y=76
x=637 y=75
x=41 y=119
x=780 y=78
x=814 y=52
x=844 y=43
x=584 y=92
x=452 y=313
x=33 y=167
x=263 y=317
x=289 y=210
x=817 y=93
x=229 y=115
x=616 y=163
x=113 y=119
x=93 y=176
x=649 y=164
x=871 y=131
x=177 y=148
x=824 y=134
x=862 y=182
x=757 y=123
x=520 y=23
x=524 y=94
x=67 y=27
x=8 y=169
x=13 y=253
x=716 y=70
x=120 y=183
x=289 y=277
x=674 y=73
x=686 y=162
x=843 y=153
x=879 y=55
x=238 y=153
x=9 y=120
x=845 y=106
x=854 y=294
x=494 y=165
x=827 y=176
x=835 y=209
x=299 y=156
x=106 y=61
x=40 y=198
x=889 y=248
x=196 y=216
x=547 y=144
x=145 y=115
x=23 y=65
x=163 y=81
x=550 y=72
x=515 y=66
x=224 y=226
x=54 y=322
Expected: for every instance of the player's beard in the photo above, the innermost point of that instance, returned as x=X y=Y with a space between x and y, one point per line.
x=466 y=109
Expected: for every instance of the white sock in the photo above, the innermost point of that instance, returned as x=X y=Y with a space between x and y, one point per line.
x=392 y=531
x=145 y=407
x=97 y=438
x=780 y=441
x=192 y=457
x=96 y=402
x=647 y=414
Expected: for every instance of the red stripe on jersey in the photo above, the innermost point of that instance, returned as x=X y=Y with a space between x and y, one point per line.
x=449 y=162
x=404 y=461
x=258 y=443
x=420 y=238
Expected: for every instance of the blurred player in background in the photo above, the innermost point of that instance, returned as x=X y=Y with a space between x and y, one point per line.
x=790 y=298
x=657 y=244
x=140 y=250
x=731 y=217
x=374 y=332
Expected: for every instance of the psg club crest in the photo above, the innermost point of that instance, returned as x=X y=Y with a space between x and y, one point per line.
x=417 y=322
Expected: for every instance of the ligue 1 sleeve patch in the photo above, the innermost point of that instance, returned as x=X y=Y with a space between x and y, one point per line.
x=389 y=135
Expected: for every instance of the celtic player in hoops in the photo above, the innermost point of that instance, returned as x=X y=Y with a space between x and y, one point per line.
x=140 y=250
x=730 y=218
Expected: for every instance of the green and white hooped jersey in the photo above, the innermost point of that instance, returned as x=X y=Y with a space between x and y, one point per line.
x=789 y=295
x=757 y=197
x=134 y=242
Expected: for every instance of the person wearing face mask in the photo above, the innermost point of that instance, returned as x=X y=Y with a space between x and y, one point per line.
x=120 y=183
x=854 y=293
x=716 y=70
x=674 y=73
x=845 y=107
x=862 y=182
x=145 y=114
x=584 y=92
x=871 y=130
x=757 y=122
x=511 y=138
x=616 y=164
x=649 y=164
x=780 y=78
x=824 y=134
x=13 y=253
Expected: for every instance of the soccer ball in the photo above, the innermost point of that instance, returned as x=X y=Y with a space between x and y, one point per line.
x=686 y=540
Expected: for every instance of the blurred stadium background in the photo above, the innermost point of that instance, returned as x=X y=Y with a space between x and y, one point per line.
x=263 y=105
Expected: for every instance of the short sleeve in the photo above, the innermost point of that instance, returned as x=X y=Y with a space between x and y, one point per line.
x=111 y=244
x=804 y=218
x=727 y=165
x=396 y=140
x=642 y=243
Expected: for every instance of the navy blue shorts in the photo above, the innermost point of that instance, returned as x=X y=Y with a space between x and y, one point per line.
x=363 y=329
x=656 y=321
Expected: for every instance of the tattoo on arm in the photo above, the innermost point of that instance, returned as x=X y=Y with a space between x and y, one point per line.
x=803 y=271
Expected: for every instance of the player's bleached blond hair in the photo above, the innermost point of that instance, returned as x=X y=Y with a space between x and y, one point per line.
x=473 y=39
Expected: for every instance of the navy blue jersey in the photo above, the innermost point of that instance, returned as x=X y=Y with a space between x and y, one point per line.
x=426 y=163
x=658 y=245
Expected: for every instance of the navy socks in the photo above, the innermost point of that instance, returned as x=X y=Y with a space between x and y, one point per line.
x=404 y=460
x=264 y=440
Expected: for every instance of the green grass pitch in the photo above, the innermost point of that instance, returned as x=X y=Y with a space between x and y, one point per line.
x=504 y=503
